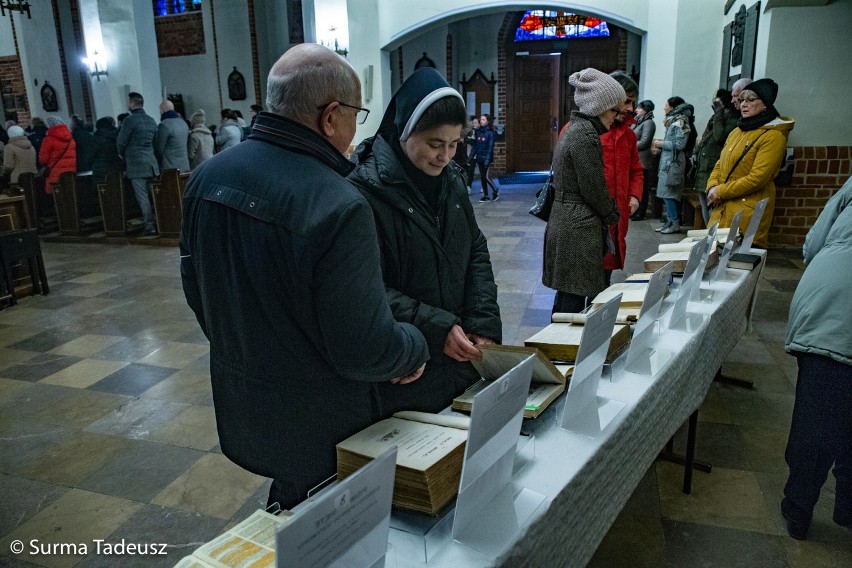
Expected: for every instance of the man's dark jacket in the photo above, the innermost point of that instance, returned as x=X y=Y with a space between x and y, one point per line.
x=105 y=154
x=436 y=268
x=280 y=264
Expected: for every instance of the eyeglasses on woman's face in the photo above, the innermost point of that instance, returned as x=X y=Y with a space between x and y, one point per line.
x=747 y=100
x=360 y=117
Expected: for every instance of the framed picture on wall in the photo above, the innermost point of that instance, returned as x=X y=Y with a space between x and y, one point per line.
x=48 y=99
x=236 y=86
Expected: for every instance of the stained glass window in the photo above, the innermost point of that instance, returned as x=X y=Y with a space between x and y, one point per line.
x=550 y=25
x=167 y=7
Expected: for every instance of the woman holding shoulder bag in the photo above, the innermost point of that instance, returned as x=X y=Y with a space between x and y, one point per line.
x=673 y=161
x=750 y=160
x=58 y=152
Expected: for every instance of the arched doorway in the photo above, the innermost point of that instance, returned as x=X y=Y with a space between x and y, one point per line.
x=538 y=100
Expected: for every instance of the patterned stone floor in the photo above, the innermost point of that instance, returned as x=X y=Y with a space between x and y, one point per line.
x=107 y=428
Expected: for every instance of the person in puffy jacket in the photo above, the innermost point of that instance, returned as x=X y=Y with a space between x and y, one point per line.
x=58 y=152
x=19 y=156
x=105 y=158
x=818 y=335
x=750 y=161
x=201 y=143
x=435 y=261
x=229 y=133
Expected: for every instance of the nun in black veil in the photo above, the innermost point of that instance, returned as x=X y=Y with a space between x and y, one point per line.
x=435 y=261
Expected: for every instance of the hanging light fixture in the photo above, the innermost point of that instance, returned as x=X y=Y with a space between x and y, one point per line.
x=96 y=64
x=22 y=6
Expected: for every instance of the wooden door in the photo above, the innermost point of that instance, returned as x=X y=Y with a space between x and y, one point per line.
x=573 y=61
x=535 y=116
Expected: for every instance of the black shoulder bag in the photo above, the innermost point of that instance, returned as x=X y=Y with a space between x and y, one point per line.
x=544 y=200
x=745 y=151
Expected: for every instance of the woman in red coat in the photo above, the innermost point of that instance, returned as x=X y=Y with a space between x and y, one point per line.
x=58 y=151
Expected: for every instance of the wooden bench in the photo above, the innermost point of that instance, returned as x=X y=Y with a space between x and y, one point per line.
x=168 y=202
x=77 y=207
x=120 y=209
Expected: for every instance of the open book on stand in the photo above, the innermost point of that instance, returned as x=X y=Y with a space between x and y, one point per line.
x=548 y=381
x=430 y=452
x=561 y=341
x=249 y=544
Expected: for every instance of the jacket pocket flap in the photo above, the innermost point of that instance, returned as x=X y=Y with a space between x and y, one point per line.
x=241 y=201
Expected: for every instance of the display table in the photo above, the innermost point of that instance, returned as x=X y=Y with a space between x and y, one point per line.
x=587 y=481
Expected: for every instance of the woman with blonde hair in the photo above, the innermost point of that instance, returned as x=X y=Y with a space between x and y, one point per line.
x=750 y=160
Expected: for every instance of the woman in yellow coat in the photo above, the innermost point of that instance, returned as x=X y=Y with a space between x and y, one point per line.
x=750 y=160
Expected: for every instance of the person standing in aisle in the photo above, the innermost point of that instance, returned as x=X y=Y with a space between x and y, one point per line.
x=818 y=335
x=623 y=173
x=281 y=266
x=644 y=129
x=575 y=238
x=170 y=144
x=672 y=150
x=135 y=145
x=485 y=157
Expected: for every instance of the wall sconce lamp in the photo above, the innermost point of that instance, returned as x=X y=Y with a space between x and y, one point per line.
x=22 y=6
x=96 y=64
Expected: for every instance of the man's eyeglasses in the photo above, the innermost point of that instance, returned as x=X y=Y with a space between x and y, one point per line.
x=360 y=118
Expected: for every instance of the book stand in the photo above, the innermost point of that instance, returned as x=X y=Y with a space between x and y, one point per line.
x=489 y=509
x=699 y=295
x=641 y=357
x=344 y=526
x=585 y=412
x=494 y=442
x=721 y=274
x=680 y=319
x=748 y=239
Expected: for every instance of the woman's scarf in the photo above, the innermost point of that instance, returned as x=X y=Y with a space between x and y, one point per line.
x=761 y=119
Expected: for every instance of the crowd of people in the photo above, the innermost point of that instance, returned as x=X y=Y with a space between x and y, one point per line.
x=364 y=285
x=136 y=145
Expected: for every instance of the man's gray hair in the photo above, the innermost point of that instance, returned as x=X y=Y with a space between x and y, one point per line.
x=296 y=92
x=740 y=84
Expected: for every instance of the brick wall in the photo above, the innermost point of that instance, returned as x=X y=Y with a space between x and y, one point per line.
x=504 y=38
x=181 y=34
x=819 y=173
x=13 y=90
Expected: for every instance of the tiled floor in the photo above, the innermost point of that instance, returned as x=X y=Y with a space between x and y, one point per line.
x=107 y=428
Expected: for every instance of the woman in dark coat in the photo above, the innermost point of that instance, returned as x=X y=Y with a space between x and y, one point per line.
x=104 y=150
x=435 y=260
x=709 y=148
x=574 y=240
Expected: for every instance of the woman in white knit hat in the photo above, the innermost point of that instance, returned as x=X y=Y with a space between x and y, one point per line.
x=575 y=238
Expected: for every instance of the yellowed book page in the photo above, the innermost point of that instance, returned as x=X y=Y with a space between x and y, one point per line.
x=460 y=422
x=497 y=360
x=631 y=293
x=540 y=395
x=559 y=333
x=465 y=399
x=641 y=277
x=626 y=315
x=566 y=370
x=419 y=445
x=249 y=544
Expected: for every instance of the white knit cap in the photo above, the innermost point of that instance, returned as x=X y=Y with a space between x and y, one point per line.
x=596 y=92
x=15 y=130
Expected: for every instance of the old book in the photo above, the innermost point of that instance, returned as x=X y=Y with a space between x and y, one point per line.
x=632 y=294
x=250 y=543
x=430 y=451
x=678 y=260
x=625 y=316
x=548 y=382
x=561 y=341
x=640 y=277
x=744 y=261
x=704 y=232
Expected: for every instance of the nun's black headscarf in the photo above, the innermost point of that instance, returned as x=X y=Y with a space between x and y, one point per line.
x=422 y=89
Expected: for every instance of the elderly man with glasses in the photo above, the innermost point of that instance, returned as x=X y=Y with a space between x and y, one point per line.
x=280 y=263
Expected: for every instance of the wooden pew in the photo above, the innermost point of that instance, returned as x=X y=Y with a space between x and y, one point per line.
x=39 y=204
x=77 y=207
x=168 y=202
x=120 y=209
